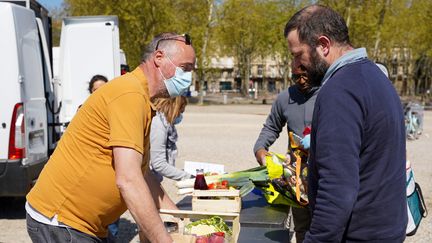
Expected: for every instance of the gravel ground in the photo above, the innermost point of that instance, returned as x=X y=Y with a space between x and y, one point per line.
x=226 y=135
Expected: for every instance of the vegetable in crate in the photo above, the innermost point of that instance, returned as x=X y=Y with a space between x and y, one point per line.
x=208 y=226
x=241 y=180
x=202 y=239
x=218 y=185
x=218 y=237
x=261 y=177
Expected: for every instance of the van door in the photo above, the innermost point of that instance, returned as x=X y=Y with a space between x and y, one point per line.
x=88 y=46
x=10 y=88
x=31 y=80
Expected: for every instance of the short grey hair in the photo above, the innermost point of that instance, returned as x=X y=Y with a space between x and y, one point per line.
x=165 y=45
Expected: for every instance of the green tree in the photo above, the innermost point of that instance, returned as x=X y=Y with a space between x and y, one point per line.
x=417 y=36
x=250 y=29
x=395 y=32
x=139 y=20
x=57 y=15
x=241 y=32
x=277 y=46
x=197 y=17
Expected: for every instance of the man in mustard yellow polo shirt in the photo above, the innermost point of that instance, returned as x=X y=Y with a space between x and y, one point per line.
x=97 y=169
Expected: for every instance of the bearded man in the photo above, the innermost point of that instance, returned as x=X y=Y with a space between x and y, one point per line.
x=357 y=154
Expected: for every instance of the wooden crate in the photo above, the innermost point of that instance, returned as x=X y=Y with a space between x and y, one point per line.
x=228 y=201
x=184 y=217
x=180 y=238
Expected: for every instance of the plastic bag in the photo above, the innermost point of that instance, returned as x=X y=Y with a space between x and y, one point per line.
x=283 y=187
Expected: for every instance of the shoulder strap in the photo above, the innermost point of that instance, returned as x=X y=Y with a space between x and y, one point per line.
x=424 y=211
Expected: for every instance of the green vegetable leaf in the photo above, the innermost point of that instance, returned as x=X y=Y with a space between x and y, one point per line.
x=217 y=222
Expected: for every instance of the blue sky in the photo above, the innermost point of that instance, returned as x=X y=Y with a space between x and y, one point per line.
x=50 y=3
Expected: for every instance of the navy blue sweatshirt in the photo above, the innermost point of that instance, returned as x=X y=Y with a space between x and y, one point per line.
x=357 y=159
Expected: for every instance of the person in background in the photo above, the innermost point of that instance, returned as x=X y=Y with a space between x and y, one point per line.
x=97 y=170
x=163 y=138
x=293 y=108
x=356 y=169
x=96 y=82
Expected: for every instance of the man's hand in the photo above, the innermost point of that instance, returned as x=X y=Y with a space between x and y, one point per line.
x=305 y=142
x=137 y=194
x=260 y=156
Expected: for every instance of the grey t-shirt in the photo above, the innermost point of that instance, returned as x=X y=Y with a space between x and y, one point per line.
x=291 y=108
x=163 y=150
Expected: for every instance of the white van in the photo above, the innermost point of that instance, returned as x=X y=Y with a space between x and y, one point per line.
x=89 y=45
x=24 y=77
x=35 y=106
x=124 y=67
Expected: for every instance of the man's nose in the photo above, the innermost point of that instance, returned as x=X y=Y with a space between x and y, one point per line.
x=296 y=65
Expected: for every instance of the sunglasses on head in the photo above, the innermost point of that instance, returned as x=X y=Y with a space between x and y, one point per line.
x=187 y=39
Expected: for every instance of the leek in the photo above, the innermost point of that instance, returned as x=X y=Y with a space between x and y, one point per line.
x=237 y=179
x=245 y=180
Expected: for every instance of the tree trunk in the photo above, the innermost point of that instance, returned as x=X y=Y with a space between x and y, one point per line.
x=246 y=75
x=264 y=78
x=386 y=4
x=283 y=68
x=203 y=61
x=348 y=18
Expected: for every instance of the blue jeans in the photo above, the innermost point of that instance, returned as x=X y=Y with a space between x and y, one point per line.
x=113 y=230
x=42 y=233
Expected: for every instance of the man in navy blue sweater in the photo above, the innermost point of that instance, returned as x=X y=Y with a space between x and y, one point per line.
x=357 y=154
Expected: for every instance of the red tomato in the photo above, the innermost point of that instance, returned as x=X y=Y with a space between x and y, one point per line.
x=219 y=234
x=211 y=186
x=202 y=239
x=224 y=183
x=217 y=238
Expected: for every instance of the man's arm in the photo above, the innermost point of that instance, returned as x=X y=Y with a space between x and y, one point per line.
x=271 y=129
x=335 y=163
x=137 y=194
x=160 y=197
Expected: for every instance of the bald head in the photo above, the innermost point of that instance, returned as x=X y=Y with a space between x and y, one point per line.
x=167 y=42
x=168 y=55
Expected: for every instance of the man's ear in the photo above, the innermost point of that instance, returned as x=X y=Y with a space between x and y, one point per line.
x=158 y=55
x=324 y=45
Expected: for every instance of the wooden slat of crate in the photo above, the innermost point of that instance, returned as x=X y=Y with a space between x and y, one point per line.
x=180 y=238
x=216 y=200
x=184 y=217
x=217 y=205
x=216 y=193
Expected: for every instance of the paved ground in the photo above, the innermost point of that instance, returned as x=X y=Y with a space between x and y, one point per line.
x=226 y=134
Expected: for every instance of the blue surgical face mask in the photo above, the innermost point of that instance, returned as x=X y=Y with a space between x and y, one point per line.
x=179 y=83
x=178 y=119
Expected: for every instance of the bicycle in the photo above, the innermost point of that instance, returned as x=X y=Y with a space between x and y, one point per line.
x=413 y=120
